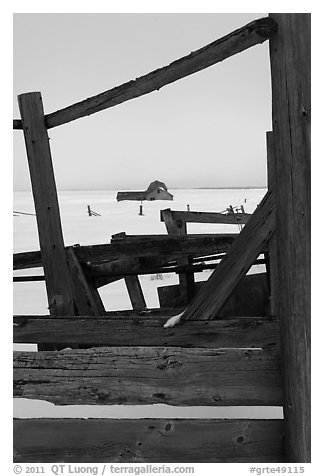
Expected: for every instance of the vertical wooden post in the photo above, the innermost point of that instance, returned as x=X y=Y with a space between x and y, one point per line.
x=290 y=72
x=186 y=280
x=57 y=277
x=272 y=254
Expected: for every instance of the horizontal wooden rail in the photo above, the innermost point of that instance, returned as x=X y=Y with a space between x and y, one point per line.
x=146 y=331
x=194 y=268
x=148 y=441
x=147 y=375
x=251 y=34
x=208 y=217
x=24 y=279
x=135 y=246
x=107 y=272
x=124 y=238
x=95 y=272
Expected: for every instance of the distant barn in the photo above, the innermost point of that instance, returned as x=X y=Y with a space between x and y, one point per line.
x=156 y=191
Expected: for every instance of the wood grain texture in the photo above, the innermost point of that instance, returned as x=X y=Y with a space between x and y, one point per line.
x=147 y=375
x=251 y=34
x=186 y=280
x=290 y=55
x=53 y=257
x=148 y=441
x=86 y=301
x=135 y=292
x=273 y=244
x=238 y=260
x=147 y=331
x=137 y=246
x=207 y=217
x=110 y=271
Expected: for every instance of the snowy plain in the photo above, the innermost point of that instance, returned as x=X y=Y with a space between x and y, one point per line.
x=78 y=228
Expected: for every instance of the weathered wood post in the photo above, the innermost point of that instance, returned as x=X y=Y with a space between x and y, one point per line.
x=57 y=276
x=272 y=254
x=186 y=280
x=135 y=292
x=290 y=72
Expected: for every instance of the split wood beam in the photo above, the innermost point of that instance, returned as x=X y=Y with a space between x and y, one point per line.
x=249 y=35
x=290 y=58
x=139 y=246
x=147 y=375
x=100 y=275
x=238 y=260
x=111 y=271
x=53 y=256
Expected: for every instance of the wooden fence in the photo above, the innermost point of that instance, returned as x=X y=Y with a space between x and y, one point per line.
x=209 y=358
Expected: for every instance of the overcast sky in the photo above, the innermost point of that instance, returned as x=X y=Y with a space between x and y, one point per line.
x=207 y=130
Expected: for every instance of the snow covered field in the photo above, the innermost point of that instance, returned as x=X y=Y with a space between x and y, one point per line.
x=78 y=227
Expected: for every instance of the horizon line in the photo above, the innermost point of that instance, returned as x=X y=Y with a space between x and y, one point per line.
x=171 y=188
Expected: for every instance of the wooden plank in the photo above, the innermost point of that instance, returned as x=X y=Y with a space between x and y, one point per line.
x=170 y=268
x=107 y=272
x=173 y=226
x=23 y=279
x=290 y=54
x=110 y=271
x=148 y=375
x=86 y=302
x=273 y=240
x=57 y=276
x=208 y=217
x=118 y=269
x=249 y=298
x=237 y=262
x=148 y=441
x=251 y=34
x=114 y=268
x=135 y=292
x=132 y=247
x=146 y=330
x=92 y=286
x=124 y=238
x=27 y=259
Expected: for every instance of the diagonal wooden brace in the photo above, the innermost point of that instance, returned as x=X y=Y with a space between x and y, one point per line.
x=86 y=297
x=240 y=257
